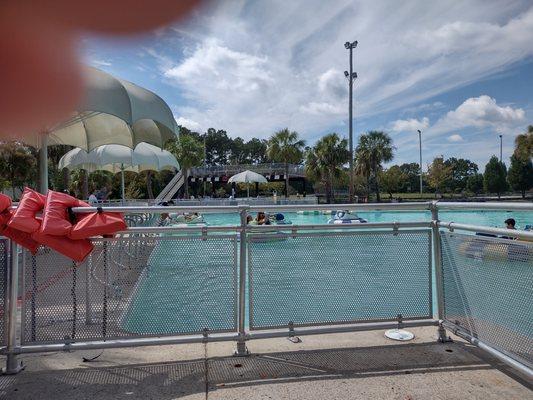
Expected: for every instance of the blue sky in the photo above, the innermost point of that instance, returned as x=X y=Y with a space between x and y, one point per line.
x=462 y=72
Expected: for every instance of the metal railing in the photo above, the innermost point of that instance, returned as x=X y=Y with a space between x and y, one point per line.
x=162 y=285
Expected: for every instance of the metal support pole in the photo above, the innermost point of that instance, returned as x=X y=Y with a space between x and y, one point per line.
x=13 y=364
x=122 y=187
x=420 y=145
x=43 y=162
x=241 y=342
x=437 y=262
x=501 y=148
x=351 y=127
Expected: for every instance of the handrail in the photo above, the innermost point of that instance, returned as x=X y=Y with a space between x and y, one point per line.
x=488 y=230
x=484 y=206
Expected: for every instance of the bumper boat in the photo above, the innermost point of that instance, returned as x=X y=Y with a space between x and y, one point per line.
x=345 y=217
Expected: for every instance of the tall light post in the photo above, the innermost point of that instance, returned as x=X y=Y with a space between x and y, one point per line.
x=351 y=77
x=420 y=146
x=501 y=147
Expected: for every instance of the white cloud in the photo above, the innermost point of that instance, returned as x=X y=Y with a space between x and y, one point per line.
x=187 y=123
x=253 y=67
x=455 y=138
x=100 y=63
x=481 y=112
x=410 y=125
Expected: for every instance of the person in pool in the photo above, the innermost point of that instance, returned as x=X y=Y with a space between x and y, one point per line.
x=510 y=223
x=262 y=219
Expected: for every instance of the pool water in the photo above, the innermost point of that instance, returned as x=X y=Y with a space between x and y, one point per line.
x=483 y=218
x=191 y=284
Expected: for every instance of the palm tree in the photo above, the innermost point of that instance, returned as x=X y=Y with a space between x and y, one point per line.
x=189 y=152
x=373 y=149
x=325 y=160
x=284 y=146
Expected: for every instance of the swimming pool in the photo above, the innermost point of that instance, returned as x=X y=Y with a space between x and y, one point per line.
x=481 y=217
x=190 y=284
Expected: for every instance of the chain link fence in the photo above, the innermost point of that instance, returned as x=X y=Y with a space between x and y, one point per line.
x=4 y=264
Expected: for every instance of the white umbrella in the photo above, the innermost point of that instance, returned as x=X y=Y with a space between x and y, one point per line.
x=115 y=158
x=113 y=111
x=248 y=177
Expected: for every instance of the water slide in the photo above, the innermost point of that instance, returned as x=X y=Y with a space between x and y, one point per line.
x=170 y=190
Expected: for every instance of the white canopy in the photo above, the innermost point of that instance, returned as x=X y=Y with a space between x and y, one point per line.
x=117 y=158
x=113 y=111
x=248 y=177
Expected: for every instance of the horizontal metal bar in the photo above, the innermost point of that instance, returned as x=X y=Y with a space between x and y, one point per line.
x=280 y=234
x=128 y=342
x=369 y=225
x=178 y=229
x=161 y=209
x=444 y=205
x=459 y=331
x=367 y=326
x=485 y=229
x=422 y=206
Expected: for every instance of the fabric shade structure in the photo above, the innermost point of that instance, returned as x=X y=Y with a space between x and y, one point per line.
x=248 y=177
x=113 y=111
x=117 y=158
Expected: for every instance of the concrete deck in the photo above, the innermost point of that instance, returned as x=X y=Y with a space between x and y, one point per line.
x=361 y=365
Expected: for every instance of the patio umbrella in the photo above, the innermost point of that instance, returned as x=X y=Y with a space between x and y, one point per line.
x=248 y=177
x=114 y=111
x=117 y=158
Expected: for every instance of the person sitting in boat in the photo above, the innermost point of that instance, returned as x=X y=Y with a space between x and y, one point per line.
x=510 y=223
x=262 y=218
x=249 y=219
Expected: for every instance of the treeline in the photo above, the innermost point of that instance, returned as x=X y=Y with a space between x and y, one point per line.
x=325 y=164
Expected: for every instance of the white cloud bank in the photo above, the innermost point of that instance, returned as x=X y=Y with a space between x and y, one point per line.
x=410 y=125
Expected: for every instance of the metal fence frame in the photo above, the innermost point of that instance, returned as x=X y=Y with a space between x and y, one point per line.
x=12 y=349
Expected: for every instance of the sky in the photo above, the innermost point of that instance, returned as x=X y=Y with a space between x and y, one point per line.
x=460 y=71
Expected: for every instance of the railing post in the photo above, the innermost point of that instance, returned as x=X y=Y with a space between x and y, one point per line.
x=437 y=262
x=241 y=341
x=13 y=364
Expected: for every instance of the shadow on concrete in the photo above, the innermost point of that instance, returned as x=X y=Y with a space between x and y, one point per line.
x=197 y=378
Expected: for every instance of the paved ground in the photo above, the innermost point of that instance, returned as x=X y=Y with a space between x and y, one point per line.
x=341 y=366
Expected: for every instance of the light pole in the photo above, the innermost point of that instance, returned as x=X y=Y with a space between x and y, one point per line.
x=420 y=146
x=501 y=146
x=351 y=77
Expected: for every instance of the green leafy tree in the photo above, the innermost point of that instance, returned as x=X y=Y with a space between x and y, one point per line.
x=217 y=147
x=461 y=169
x=373 y=149
x=520 y=175
x=18 y=165
x=412 y=177
x=257 y=151
x=285 y=147
x=325 y=159
x=439 y=174
x=392 y=180
x=495 y=177
x=189 y=152
x=474 y=183
x=524 y=145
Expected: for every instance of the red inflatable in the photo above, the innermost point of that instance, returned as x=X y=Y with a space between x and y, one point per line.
x=97 y=224
x=77 y=250
x=22 y=238
x=24 y=218
x=57 y=218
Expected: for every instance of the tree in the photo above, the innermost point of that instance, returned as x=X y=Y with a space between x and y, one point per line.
x=392 y=180
x=373 y=149
x=461 y=170
x=325 y=159
x=474 y=183
x=524 y=145
x=520 y=175
x=412 y=177
x=438 y=174
x=285 y=147
x=495 y=176
x=189 y=152
x=257 y=151
x=18 y=164
x=218 y=146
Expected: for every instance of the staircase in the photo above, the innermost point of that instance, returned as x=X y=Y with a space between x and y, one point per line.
x=170 y=190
